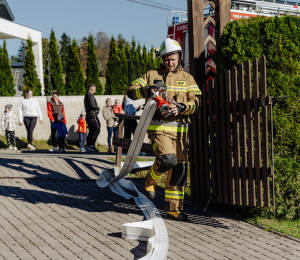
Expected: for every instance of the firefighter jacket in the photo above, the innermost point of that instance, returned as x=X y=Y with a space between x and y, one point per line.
x=181 y=87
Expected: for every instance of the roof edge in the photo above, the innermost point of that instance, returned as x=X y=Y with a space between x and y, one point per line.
x=4 y=2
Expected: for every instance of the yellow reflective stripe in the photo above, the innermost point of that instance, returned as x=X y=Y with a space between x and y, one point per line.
x=168 y=128
x=154 y=146
x=177 y=88
x=137 y=93
x=143 y=83
x=174 y=194
x=154 y=177
x=194 y=87
x=191 y=109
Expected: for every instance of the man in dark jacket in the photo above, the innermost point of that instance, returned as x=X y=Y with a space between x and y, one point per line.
x=92 y=111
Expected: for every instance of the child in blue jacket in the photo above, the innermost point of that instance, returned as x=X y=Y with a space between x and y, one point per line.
x=62 y=132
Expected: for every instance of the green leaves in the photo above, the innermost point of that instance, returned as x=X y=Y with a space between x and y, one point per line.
x=112 y=71
x=6 y=76
x=92 y=73
x=75 y=84
x=57 y=82
x=31 y=80
x=278 y=38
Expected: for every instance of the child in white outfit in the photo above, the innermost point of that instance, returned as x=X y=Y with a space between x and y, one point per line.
x=8 y=125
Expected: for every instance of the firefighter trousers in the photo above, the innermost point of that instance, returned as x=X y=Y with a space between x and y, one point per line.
x=171 y=156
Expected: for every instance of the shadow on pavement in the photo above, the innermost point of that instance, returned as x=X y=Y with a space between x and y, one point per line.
x=83 y=194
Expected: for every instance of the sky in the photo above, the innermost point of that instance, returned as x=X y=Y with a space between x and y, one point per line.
x=78 y=18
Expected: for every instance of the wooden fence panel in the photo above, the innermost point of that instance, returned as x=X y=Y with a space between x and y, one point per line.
x=229 y=138
x=218 y=134
x=264 y=112
x=205 y=141
x=223 y=137
x=229 y=163
x=212 y=138
x=257 y=133
x=242 y=119
x=250 y=134
x=201 y=147
x=236 y=138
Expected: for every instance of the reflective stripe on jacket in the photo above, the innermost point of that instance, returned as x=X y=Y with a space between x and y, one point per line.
x=181 y=87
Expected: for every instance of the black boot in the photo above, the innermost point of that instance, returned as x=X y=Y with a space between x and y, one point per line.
x=149 y=190
x=181 y=217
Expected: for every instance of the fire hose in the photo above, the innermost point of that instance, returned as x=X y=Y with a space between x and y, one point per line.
x=153 y=229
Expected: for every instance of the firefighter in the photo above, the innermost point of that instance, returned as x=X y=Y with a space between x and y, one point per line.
x=169 y=135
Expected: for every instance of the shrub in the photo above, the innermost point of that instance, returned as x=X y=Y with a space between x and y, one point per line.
x=57 y=82
x=6 y=76
x=75 y=84
x=92 y=73
x=278 y=38
x=31 y=80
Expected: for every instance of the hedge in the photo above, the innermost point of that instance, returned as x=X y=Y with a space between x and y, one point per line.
x=278 y=38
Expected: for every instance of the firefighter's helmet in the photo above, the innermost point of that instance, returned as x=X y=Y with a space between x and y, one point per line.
x=169 y=47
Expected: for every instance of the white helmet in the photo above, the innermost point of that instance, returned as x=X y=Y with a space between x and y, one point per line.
x=168 y=47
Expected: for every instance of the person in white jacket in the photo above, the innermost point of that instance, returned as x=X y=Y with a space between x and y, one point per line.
x=29 y=110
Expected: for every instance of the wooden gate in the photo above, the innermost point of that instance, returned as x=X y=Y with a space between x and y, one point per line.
x=229 y=148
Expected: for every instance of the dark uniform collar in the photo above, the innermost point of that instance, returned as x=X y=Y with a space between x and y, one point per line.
x=166 y=69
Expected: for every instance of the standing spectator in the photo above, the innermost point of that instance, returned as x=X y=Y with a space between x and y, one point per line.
x=62 y=132
x=129 y=124
x=109 y=116
x=92 y=112
x=117 y=108
x=55 y=108
x=82 y=131
x=8 y=125
x=29 y=110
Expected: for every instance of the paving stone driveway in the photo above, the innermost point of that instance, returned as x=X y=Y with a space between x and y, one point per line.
x=51 y=208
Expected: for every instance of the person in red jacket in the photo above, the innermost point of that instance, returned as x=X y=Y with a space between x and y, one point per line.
x=82 y=131
x=55 y=108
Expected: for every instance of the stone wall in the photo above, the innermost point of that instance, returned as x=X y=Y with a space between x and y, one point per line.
x=73 y=106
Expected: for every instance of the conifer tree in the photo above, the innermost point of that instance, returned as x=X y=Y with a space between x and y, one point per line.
x=6 y=77
x=123 y=69
x=75 y=84
x=135 y=60
x=22 y=52
x=92 y=73
x=145 y=58
x=140 y=59
x=65 y=43
x=132 y=70
x=112 y=71
x=57 y=82
x=151 y=56
x=45 y=50
x=31 y=80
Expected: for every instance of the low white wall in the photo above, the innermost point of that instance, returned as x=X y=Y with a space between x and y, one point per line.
x=73 y=106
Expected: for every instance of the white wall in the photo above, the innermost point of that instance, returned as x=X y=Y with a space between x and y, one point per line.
x=10 y=30
x=73 y=106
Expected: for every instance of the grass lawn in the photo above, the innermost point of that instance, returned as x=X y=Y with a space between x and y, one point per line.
x=287 y=227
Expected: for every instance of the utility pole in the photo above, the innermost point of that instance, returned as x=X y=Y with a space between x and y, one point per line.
x=49 y=68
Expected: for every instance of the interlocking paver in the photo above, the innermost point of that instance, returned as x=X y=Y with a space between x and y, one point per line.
x=58 y=212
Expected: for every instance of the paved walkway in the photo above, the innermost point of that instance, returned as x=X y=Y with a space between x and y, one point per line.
x=51 y=208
